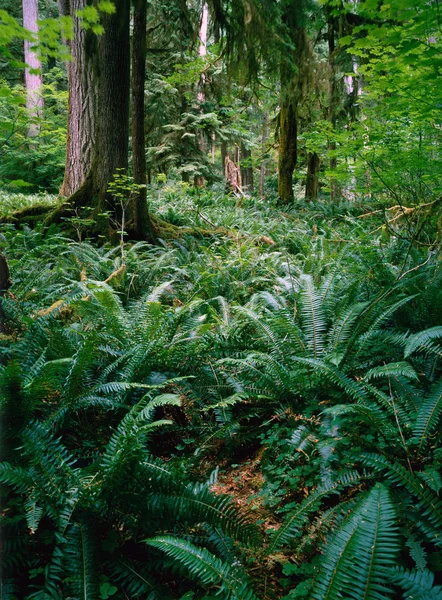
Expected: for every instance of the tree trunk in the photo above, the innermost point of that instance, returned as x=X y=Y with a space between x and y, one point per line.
x=140 y=227
x=199 y=179
x=224 y=153
x=287 y=157
x=265 y=135
x=213 y=148
x=333 y=101
x=33 y=80
x=312 y=181
x=110 y=87
x=297 y=74
x=5 y=284
x=247 y=171
x=82 y=101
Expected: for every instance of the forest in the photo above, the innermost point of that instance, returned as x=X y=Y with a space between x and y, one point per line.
x=220 y=299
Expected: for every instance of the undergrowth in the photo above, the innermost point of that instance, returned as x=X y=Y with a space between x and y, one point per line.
x=247 y=414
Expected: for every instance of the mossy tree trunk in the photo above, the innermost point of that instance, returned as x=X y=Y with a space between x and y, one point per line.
x=262 y=171
x=247 y=170
x=106 y=86
x=5 y=284
x=140 y=224
x=288 y=144
x=296 y=83
x=334 y=98
x=312 y=180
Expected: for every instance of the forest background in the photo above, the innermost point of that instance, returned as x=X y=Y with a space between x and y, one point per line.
x=220 y=299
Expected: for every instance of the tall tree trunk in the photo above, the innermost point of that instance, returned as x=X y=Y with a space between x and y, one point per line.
x=199 y=179
x=5 y=284
x=312 y=181
x=296 y=84
x=213 y=148
x=333 y=101
x=82 y=100
x=140 y=226
x=287 y=155
x=246 y=171
x=110 y=87
x=262 y=172
x=34 y=79
x=295 y=74
x=224 y=153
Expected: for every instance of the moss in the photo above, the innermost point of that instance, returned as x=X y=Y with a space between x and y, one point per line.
x=29 y=215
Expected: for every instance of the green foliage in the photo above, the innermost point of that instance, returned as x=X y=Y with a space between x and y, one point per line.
x=128 y=374
x=35 y=163
x=207 y=568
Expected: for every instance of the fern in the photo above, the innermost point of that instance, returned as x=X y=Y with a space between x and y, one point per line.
x=417 y=552
x=196 y=502
x=81 y=561
x=428 y=503
x=356 y=557
x=352 y=388
x=416 y=584
x=313 y=318
x=206 y=567
x=428 y=415
x=399 y=369
x=423 y=342
x=298 y=517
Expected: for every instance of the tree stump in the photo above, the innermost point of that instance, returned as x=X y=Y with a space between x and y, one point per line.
x=233 y=175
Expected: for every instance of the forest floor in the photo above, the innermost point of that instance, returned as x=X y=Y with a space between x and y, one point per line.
x=231 y=322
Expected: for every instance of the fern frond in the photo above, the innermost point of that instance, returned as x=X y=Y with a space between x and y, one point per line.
x=195 y=502
x=418 y=585
x=365 y=545
x=397 y=369
x=428 y=415
x=429 y=504
x=205 y=567
x=351 y=387
x=34 y=513
x=371 y=414
x=297 y=519
x=83 y=576
x=417 y=552
x=313 y=318
x=136 y=579
x=17 y=478
x=424 y=342
x=343 y=327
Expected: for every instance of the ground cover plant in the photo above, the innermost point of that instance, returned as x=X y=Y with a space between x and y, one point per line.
x=130 y=373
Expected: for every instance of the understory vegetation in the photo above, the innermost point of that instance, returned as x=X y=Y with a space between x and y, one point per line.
x=248 y=413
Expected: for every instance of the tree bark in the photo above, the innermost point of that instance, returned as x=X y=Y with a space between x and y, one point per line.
x=33 y=73
x=5 y=284
x=312 y=181
x=247 y=171
x=262 y=172
x=224 y=153
x=297 y=74
x=140 y=227
x=82 y=100
x=333 y=101
x=109 y=88
x=199 y=179
x=288 y=142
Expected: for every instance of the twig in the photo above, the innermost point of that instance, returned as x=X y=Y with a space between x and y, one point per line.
x=416 y=267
